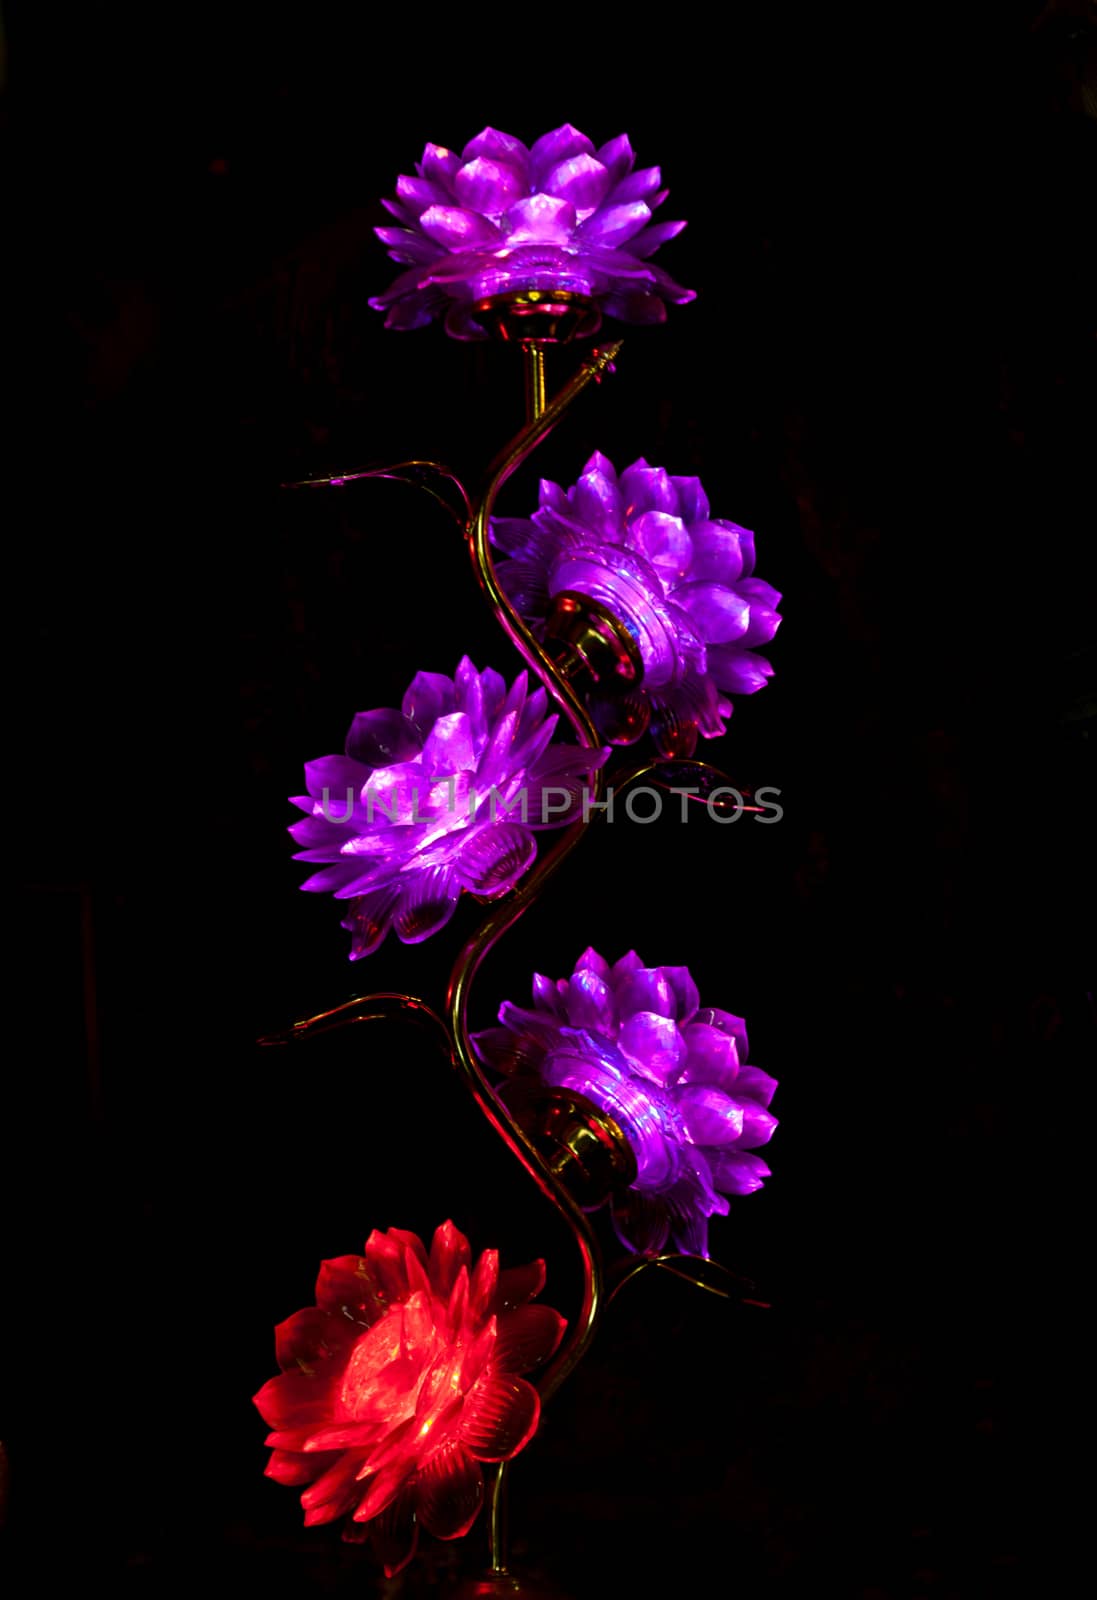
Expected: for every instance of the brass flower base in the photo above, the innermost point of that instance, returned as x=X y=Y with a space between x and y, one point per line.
x=551 y=317
x=496 y=1585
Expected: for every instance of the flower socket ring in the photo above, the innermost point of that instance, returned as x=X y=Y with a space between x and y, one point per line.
x=538 y=316
x=582 y=1144
x=590 y=645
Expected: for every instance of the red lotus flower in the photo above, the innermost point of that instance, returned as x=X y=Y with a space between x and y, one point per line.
x=400 y=1381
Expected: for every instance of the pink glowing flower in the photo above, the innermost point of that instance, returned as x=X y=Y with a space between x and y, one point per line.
x=556 y=216
x=442 y=796
x=400 y=1381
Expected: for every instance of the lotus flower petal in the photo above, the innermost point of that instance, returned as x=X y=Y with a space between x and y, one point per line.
x=527 y=1337
x=487 y=186
x=500 y=1416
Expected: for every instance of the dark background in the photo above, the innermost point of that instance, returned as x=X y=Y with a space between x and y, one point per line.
x=885 y=376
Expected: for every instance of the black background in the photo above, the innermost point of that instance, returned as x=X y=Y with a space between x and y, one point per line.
x=883 y=375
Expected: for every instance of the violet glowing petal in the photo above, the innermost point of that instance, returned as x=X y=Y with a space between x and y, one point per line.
x=488 y=186
x=408 y=247
x=647 y=241
x=638 y=306
x=591 y=961
x=758 y=1125
x=427 y=902
x=590 y=1003
x=662 y=539
x=379 y=738
x=615 y=224
x=649 y=489
x=440 y=165
x=692 y=499
x=457 y=228
x=709 y=1115
x=548 y=997
x=627 y=963
x=344 y=879
x=419 y=194
x=719 y=551
x=646 y=989
x=738 y=671
x=638 y=185
x=560 y=145
x=498 y=146
x=580 y=179
x=494 y=857
x=685 y=992
x=617 y=157
x=727 y=1022
x=449 y=747
x=328 y=779
x=430 y=695
x=540 y=219
x=712 y=1057
x=757 y=1084
x=764 y=618
x=738 y=1171
x=654 y=1045
x=719 y=614
x=598 y=502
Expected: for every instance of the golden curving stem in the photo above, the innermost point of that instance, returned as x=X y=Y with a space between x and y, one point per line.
x=432 y=477
x=541 y=419
x=381 y=1007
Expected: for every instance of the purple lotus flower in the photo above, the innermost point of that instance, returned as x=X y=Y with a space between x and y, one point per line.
x=644 y=546
x=674 y=1078
x=440 y=796
x=558 y=216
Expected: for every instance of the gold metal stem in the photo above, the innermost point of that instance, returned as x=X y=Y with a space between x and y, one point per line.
x=506 y=914
x=366 y=1008
x=497 y=1519
x=533 y=362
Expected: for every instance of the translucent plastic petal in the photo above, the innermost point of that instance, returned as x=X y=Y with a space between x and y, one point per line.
x=449 y=1492
x=527 y=1337
x=500 y=1416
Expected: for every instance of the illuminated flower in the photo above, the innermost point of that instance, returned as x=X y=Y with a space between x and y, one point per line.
x=558 y=216
x=644 y=546
x=400 y=1381
x=440 y=796
x=673 y=1076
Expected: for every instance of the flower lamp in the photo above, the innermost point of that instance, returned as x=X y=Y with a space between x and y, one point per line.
x=632 y=1108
